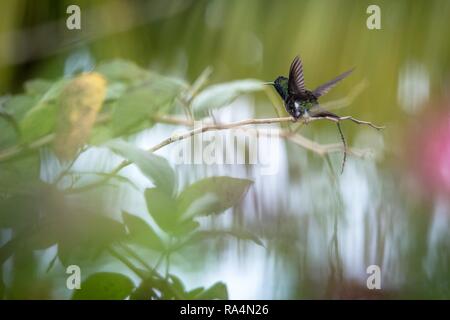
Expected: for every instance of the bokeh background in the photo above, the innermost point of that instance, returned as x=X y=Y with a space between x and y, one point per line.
x=320 y=229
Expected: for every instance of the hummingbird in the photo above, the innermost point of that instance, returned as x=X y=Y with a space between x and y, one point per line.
x=300 y=102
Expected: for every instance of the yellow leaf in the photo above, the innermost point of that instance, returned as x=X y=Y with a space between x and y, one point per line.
x=79 y=104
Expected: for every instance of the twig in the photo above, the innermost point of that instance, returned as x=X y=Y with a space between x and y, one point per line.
x=215 y=127
x=310 y=145
x=367 y=123
x=198 y=84
x=139 y=272
x=158 y=262
x=344 y=143
x=13 y=151
x=69 y=166
x=298 y=139
x=7 y=154
x=189 y=95
x=136 y=257
x=126 y=262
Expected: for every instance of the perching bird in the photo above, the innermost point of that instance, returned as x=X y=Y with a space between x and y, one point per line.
x=303 y=103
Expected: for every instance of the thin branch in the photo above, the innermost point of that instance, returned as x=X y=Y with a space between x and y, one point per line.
x=296 y=138
x=137 y=257
x=361 y=122
x=319 y=149
x=187 y=97
x=69 y=166
x=13 y=151
x=198 y=84
x=216 y=127
x=16 y=150
x=127 y=262
x=139 y=272
x=344 y=145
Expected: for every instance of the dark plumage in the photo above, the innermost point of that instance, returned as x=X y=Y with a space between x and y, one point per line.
x=301 y=102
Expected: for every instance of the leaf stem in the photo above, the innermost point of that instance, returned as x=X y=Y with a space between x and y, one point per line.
x=127 y=262
x=136 y=256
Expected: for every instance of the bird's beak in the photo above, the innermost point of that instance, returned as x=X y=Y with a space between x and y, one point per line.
x=268 y=83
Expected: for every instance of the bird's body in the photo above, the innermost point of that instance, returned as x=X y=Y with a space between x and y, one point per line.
x=301 y=102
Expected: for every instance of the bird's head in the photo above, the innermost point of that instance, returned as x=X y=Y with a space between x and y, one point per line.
x=281 y=85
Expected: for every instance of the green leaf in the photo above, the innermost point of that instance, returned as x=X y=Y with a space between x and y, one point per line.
x=154 y=167
x=204 y=204
x=139 y=105
x=19 y=105
x=19 y=211
x=122 y=70
x=9 y=135
x=194 y=293
x=12 y=112
x=21 y=176
x=55 y=90
x=216 y=291
x=144 y=291
x=132 y=109
x=141 y=233
x=104 y=286
x=41 y=118
x=227 y=191
x=183 y=228
x=84 y=235
x=162 y=208
x=27 y=216
x=37 y=86
x=100 y=134
x=177 y=285
x=220 y=95
x=115 y=90
x=112 y=176
x=35 y=114
x=38 y=122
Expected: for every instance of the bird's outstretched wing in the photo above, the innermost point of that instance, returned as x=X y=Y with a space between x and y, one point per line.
x=296 y=84
x=321 y=90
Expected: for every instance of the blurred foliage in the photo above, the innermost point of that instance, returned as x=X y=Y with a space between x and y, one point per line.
x=184 y=42
x=44 y=214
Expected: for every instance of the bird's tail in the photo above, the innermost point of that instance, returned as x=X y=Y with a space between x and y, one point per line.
x=317 y=111
x=344 y=144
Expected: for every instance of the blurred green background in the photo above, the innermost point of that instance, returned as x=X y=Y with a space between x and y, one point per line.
x=320 y=230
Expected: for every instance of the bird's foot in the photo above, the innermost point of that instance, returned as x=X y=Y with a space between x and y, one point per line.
x=306 y=119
